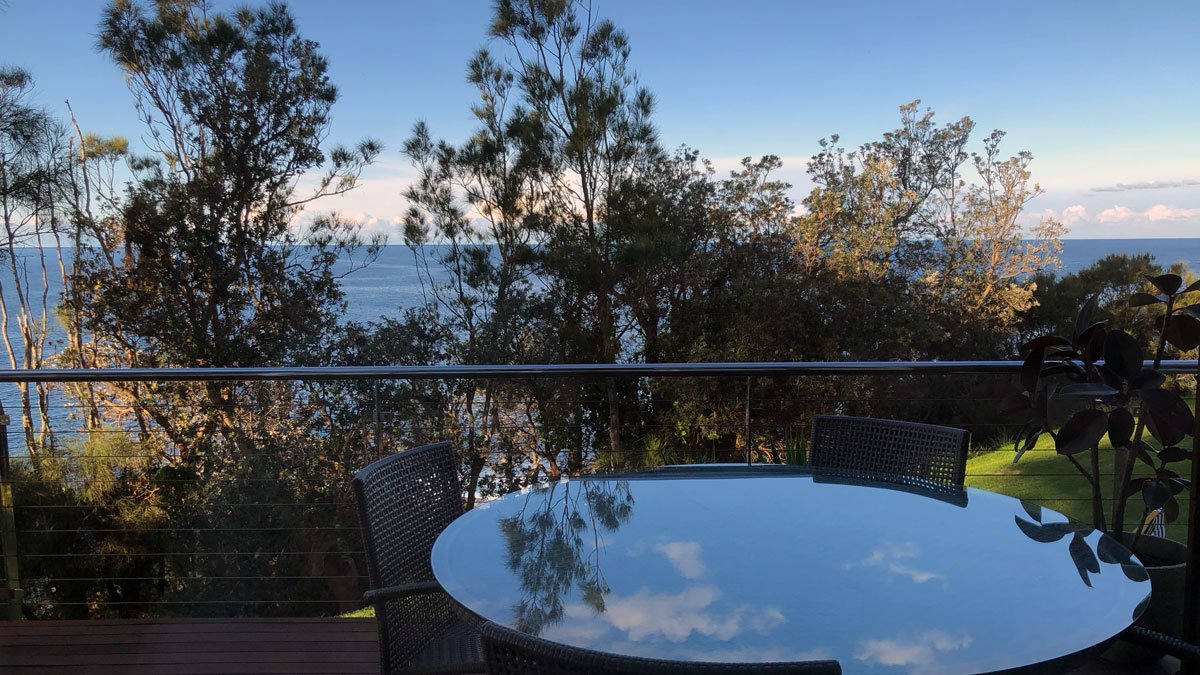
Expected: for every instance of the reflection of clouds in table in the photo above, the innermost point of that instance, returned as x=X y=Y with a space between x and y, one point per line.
x=733 y=653
x=889 y=556
x=675 y=617
x=685 y=556
x=918 y=650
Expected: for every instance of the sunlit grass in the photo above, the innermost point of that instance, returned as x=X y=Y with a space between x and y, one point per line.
x=1049 y=479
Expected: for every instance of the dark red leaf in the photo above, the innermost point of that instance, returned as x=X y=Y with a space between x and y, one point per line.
x=1084 y=319
x=1044 y=342
x=1014 y=403
x=1168 y=416
x=1143 y=299
x=1123 y=354
x=1167 y=283
x=1146 y=454
x=1136 y=486
x=1171 y=510
x=1094 y=346
x=1155 y=494
x=1174 y=454
x=1183 y=331
x=1120 y=427
x=1148 y=378
x=1030 y=440
x=1082 y=432
x=1031 y=369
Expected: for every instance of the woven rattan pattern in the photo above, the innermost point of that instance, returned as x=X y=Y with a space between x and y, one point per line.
x=922 y=455
x=404 y=503
x=510 y=652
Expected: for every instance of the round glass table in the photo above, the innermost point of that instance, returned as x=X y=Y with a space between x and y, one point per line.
x=765 y=566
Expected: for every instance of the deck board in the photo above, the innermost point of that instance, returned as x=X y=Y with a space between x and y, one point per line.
x=320 y=646
x=190 y=647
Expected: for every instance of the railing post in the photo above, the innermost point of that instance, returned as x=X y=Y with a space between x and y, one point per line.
x=748 y=462
x=11 y=594
x=378 y=425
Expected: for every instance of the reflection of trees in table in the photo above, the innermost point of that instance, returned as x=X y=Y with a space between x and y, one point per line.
x=1087 y=560
x=554 y=544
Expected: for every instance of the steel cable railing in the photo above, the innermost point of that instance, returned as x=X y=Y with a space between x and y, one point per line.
x=119 y=520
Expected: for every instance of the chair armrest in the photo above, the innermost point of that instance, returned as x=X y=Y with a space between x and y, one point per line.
x=1184 y=651
x=378 y=595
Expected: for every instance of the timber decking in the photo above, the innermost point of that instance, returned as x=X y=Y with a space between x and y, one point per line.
x=227 y=646
x=189 y=647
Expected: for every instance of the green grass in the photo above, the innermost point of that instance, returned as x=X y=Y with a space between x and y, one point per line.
x=1051 y=480
x=364 y=613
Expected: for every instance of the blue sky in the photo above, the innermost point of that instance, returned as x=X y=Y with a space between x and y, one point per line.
x=1105 y=94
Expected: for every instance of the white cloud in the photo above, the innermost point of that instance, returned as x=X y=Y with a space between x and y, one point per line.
x=685 y=556
x=1148 y=185
x=1164 y=212
x=919 y=650
x=1073 y=214
x=1154 y=214
x=889 y=557
x=675 y=616
x=1114 y=214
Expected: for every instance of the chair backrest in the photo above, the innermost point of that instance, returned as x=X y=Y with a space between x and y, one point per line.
x=510 y=652
x=924 y=455
x=404 y=502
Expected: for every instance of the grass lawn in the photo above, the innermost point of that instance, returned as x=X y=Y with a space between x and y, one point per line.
x=1051 y=480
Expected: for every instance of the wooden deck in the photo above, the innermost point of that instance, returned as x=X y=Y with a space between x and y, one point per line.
x=189 y=647
x=228 y=646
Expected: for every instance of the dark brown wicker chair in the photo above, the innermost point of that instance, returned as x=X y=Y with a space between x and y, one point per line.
x=404 y=502
x=510 y=652
x=921 y=455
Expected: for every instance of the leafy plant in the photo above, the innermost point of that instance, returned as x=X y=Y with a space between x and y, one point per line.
x=1097 y=379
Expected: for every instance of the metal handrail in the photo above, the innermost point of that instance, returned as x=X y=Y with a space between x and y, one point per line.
x=530 y=371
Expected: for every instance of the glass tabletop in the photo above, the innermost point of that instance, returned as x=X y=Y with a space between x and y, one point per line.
x=787 y=567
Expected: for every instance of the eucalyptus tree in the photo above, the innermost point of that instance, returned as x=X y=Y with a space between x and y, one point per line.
x=588 y=130
x=35 y=166
x=917 y=216
x=203 y=264
x=532 y=243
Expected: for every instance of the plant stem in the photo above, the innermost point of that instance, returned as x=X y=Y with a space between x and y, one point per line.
x=1097 y=496
x=1191 y=603
x=1127 y=456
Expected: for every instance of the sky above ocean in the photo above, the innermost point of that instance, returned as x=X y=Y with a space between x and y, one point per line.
x=1104 y=94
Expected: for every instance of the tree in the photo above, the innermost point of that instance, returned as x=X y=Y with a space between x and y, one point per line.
x=587 y=129
x=900 y=210
x=35 y=165
x=203 y=266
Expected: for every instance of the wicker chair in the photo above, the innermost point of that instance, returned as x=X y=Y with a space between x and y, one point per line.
x=510 y=652
x=920 y=455
x=404 y=502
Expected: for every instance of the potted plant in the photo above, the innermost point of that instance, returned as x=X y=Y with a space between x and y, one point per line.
x=1092 y=384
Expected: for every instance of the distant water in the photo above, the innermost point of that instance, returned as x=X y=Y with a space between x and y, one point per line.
x=1079 y=253
x=392 y=283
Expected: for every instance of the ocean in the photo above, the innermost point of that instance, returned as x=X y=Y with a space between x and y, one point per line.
x=392 y=283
